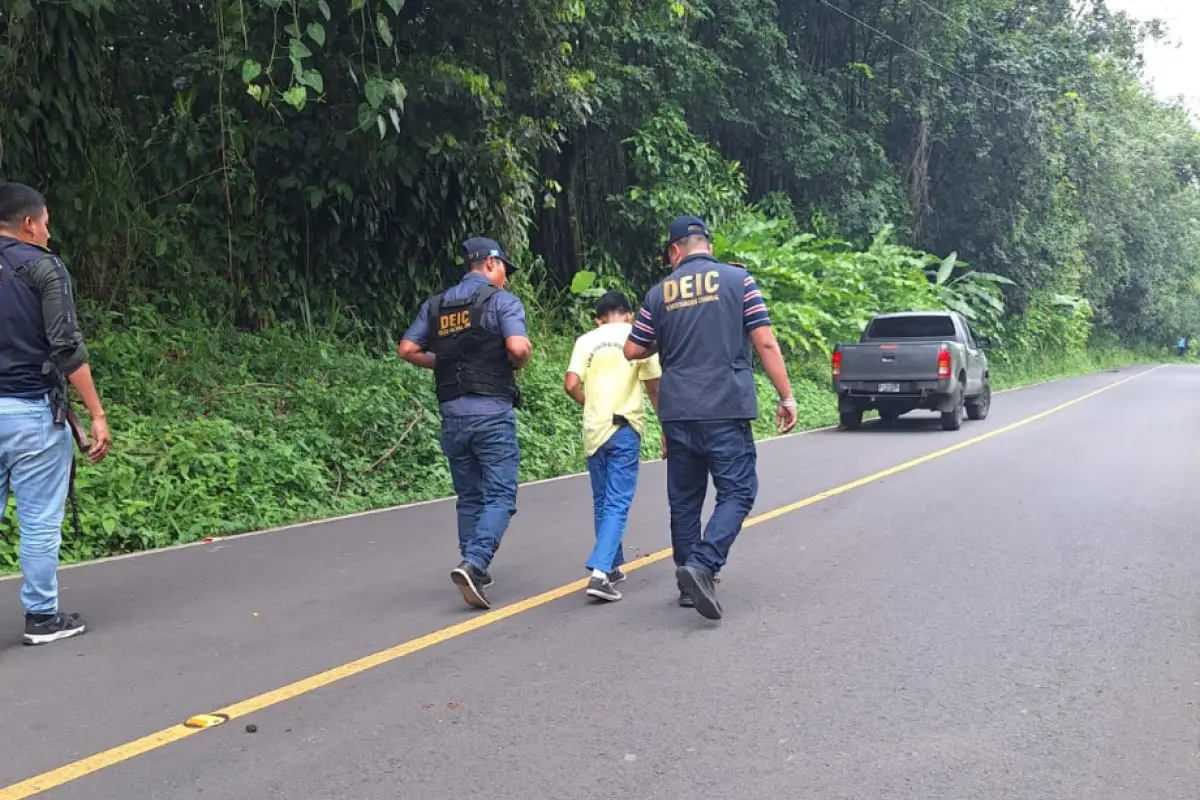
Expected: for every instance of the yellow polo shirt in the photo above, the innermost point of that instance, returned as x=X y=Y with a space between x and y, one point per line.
x=611 y=383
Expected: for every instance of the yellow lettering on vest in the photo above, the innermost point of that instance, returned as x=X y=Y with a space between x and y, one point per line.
x=685 y=287
x=456 y=322
x=712 y=281
x=670 y=291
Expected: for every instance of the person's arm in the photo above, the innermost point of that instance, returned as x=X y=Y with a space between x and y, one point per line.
x=52 y=283
x=757 y=321
x=642 y=342
x=416 y=339
x=652 y=391
x=576 y=367
x=649 y=373
x=574 y=387
x=510 y=312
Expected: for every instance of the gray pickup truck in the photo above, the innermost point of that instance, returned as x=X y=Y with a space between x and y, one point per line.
x=913 y=360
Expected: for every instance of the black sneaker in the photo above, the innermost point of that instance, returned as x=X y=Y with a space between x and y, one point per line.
x=684 y=600
x=697 y=583
x=471 y=581
x=487 y=581
x=616 y=576
x=602 y=589
x=47 y=628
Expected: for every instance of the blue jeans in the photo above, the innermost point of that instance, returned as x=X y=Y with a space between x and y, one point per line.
x=726 y=450
x=484 y=463
x=35 y=461
x=614 y=471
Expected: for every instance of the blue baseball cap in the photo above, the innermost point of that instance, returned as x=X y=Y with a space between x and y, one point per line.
x=684 y=227
x=478 y=248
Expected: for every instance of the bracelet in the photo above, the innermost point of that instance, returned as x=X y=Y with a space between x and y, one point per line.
x=787 y=402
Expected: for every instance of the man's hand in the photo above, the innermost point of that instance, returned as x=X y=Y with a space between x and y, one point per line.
x=101 y=440
x=663 y=448
x=785 y=416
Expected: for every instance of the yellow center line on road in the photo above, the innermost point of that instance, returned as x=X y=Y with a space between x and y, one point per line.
x=86 y=766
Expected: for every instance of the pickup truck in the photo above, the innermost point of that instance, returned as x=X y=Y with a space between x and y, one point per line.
x=913 y=360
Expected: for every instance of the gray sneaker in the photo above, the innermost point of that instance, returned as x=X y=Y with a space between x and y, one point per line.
x=602 y=589
x=616 y=576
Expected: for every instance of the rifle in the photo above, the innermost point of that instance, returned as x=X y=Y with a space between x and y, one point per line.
x=60 y=405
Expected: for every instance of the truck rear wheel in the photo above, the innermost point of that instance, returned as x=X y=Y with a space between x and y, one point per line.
x=852 y=420
x=952 y=420
x=978 y=408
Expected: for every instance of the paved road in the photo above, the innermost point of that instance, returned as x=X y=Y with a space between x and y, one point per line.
x=1016 y=619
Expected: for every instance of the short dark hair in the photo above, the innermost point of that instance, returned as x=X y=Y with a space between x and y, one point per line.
x=693 y=242
x=18 y=201
x=613 y=302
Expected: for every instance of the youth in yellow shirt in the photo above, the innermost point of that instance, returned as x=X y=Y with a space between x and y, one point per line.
x=609 y=387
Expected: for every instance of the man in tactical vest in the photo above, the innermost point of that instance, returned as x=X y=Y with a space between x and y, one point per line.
x=41 y=349
x=473 y=337
x=701 y=320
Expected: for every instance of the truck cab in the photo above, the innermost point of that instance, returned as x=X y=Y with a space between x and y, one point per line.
x=912 y=360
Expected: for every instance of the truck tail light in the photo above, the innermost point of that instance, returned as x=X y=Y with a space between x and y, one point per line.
x=837 y=363
x=944 y=363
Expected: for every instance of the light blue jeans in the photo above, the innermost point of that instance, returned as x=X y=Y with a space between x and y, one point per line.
x=614 y=472
x=35 y=461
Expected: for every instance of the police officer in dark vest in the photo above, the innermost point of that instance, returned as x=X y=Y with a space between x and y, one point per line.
x=702 y=320
x=473 y=337
x=41 y=349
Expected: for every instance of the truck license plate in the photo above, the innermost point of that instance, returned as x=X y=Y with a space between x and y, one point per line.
x=889 y=387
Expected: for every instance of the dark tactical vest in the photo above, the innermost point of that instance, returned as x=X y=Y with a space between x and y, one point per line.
x=470 y=359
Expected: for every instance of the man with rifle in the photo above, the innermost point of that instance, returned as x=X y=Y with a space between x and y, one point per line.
x=41 y=349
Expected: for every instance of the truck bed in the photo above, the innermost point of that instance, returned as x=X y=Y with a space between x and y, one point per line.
x=884 y=362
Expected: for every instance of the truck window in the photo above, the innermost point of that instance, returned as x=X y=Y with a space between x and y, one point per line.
x=934 y=326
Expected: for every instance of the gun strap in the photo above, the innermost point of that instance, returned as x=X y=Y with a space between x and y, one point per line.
x=74 y=502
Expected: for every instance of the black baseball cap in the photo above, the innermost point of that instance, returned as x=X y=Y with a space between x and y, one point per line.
x=684 y=227
x=478 y=248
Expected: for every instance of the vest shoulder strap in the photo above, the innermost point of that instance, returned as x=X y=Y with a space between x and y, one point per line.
x=435 y=306
x=475 y=302
x=483 y=295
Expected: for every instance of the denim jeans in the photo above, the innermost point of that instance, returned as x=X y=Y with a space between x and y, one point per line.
x=614 y=471
x=35 y=462
x=695 y=450
x=484 y=462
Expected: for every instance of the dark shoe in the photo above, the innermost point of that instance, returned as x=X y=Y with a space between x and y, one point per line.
x=697 y=583
x=471 y=580
x=616 y=576
x=47 y=628
x=487 y=581
x=684 y=600
x=602 y=589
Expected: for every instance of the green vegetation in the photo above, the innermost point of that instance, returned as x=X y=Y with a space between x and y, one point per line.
x=254 y=196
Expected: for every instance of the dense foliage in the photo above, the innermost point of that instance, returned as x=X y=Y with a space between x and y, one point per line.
x=312 y=157
x=254 y=196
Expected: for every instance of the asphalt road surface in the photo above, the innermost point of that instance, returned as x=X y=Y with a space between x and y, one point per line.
x=1016 y=619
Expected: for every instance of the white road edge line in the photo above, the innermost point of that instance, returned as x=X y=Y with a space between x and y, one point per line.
x=231 y=537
